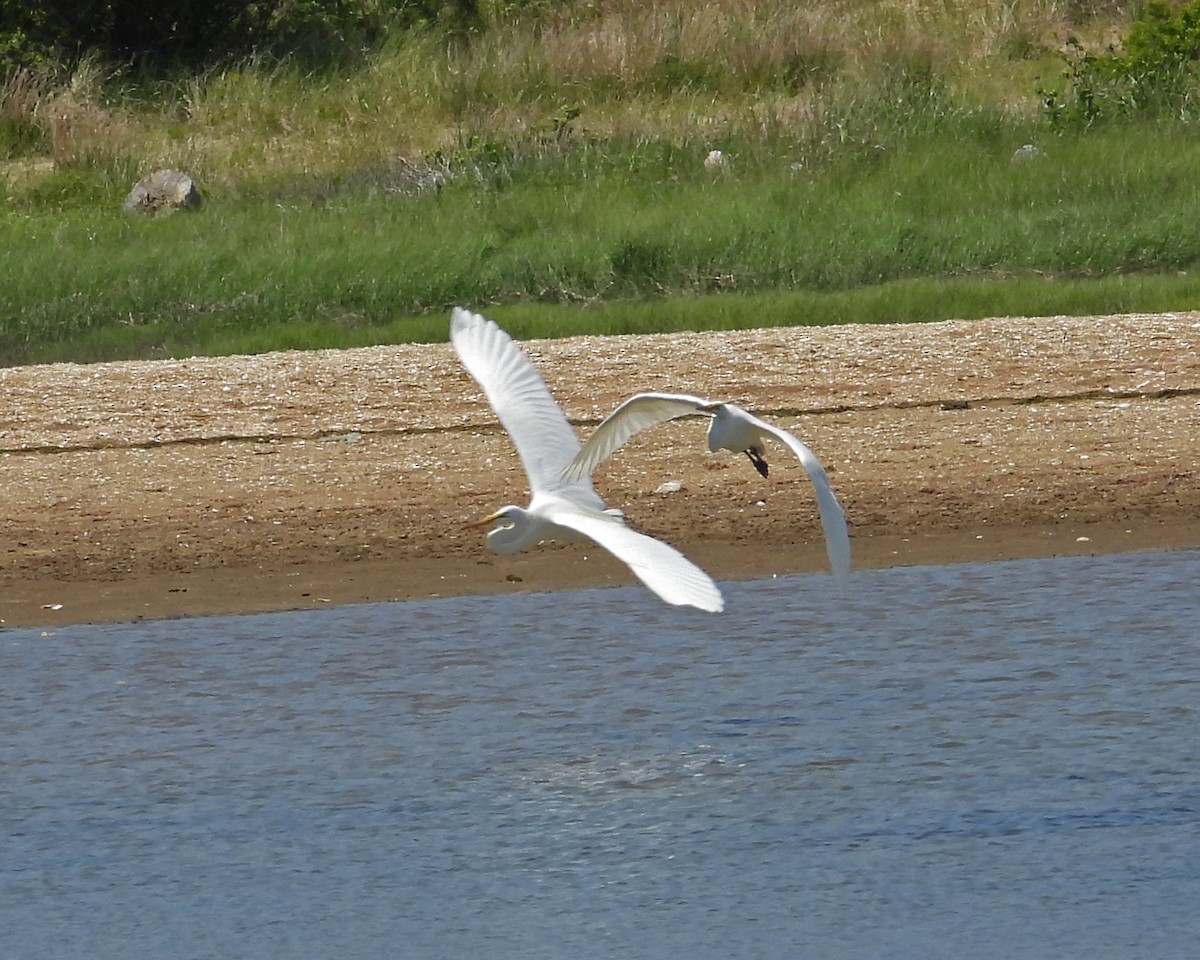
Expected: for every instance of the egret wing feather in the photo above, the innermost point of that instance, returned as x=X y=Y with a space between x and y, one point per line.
x=833 y=520
x=661 y=567
x=522 y=402
x=639 y=412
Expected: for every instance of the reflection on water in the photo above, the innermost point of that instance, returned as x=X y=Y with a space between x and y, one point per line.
x=984 y=761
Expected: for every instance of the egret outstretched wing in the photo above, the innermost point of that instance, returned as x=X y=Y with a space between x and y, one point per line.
x=659 y=566
x=833 y=520
x=638 y=413
x=521 y=400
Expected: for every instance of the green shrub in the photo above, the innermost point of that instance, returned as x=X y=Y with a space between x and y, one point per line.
x=1152 y=74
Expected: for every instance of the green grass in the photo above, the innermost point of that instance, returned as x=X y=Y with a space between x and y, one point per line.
x=872 y=178
x=599 y=239
x=901 y=301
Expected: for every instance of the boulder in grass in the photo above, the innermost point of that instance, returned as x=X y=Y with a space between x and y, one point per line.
x=163 y=191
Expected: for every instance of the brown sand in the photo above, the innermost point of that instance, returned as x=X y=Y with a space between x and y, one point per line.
x=292 y=480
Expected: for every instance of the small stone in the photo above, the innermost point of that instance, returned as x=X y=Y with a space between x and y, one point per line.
x=716 y=162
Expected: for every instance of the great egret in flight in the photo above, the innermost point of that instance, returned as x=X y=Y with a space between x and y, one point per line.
x=561 y=509
x=732 y=428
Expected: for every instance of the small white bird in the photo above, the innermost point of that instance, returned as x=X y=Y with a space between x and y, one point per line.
x=732 y=428
x=561 y=509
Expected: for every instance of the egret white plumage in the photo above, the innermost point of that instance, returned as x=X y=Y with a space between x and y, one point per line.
x=561 y=509
x=732 y=428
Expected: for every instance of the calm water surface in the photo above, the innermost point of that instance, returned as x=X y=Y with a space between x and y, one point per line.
x=969 y=761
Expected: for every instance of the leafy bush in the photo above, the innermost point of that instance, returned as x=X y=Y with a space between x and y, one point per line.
x=1152 y=74
x=197 y=33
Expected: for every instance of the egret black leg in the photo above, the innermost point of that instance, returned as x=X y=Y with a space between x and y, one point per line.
x=756 y=458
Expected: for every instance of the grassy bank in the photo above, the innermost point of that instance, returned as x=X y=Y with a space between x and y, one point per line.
x=553 y=171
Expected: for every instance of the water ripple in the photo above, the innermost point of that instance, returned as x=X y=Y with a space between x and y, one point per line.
x=983 y=761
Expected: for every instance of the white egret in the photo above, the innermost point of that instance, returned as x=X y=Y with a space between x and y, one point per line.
x=732 y=428
x=561 y=509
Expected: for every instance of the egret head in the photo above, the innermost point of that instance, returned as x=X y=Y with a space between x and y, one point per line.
x=511 y=532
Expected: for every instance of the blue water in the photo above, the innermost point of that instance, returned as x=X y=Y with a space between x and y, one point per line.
x=967 y=761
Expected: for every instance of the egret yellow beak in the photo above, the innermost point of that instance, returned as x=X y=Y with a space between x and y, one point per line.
x=485 y=521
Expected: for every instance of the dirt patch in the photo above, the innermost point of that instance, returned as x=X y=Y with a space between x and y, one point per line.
x=288 y=480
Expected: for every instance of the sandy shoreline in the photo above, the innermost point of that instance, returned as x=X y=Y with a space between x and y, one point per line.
x=289 y=480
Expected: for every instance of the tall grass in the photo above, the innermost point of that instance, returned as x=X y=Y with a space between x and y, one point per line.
x=556 y=159
x=644 y=223
x=664 y=70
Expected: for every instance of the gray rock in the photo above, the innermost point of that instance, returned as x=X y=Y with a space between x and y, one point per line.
x=163 y=191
